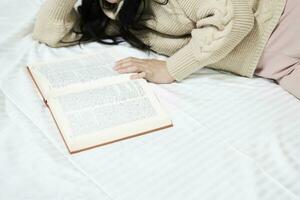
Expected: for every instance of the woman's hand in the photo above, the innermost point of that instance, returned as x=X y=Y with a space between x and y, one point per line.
x=150 y=69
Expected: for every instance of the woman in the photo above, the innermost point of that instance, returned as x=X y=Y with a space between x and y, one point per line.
x=245 y=37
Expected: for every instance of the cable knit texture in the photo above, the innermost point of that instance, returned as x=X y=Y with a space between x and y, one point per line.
x=227 y=35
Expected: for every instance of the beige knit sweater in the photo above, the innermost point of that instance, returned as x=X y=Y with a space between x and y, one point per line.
x=228 y=35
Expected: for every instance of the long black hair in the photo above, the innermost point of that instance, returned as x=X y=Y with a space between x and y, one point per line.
x=93 y=22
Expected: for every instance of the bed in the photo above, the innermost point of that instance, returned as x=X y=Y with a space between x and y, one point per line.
x=233 y=137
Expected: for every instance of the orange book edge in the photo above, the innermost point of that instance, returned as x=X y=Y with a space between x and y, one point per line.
x=92 y=147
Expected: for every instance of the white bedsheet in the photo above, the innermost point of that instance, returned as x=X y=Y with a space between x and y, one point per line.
x=233 y=138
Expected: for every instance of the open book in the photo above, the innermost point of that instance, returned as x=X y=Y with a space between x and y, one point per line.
x=92 y=104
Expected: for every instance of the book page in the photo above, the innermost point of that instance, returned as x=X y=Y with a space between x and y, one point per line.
x=102 y=114
x=96 y=109
x=76 y=71
x=59 y=74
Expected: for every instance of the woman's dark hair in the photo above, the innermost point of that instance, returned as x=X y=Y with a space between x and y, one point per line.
x=93 y=22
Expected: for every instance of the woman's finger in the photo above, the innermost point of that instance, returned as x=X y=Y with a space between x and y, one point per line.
x=127 y=61
x=125 y=64
x=131 y=69
x=138 y=76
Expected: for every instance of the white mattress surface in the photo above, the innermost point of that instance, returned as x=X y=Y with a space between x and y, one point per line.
x=233 y=138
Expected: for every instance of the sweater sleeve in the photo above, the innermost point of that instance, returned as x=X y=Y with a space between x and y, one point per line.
x=54 y=23
x=219 y=29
